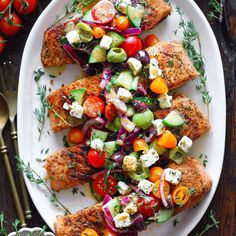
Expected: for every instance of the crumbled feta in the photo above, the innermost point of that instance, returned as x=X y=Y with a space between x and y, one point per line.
x=135 y=65
x=76 y=110
x=97 y=144
x=122 y=220
x=165 y=101
x=154 y=69
x=106 y=42
x=123 y=188
x=66 y=106
x=73 y=37
x=131 y=208
x=146 y=186
x=133 y=197
x=159 y=126
x=172 y=176
x=149 y=158
x=130 y=163
x=124 y=94
x=185 y=144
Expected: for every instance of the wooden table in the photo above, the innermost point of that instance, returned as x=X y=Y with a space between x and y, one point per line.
x=225 y=198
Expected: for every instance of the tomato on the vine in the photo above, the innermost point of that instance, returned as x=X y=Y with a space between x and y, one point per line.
x=4 y=4
x=10 y=24
x=25 y=6
x=2 y=44
x=96 y=159
x=131 y=45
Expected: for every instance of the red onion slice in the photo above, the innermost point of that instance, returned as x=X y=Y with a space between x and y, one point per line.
x=163 y=198
x=91 y=122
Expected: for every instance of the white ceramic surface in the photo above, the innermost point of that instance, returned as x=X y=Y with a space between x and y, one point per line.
x=31 y=232
x=211 y=144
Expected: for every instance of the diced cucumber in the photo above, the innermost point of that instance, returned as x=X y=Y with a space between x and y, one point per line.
x=135 y=15
x=134 y=85
x=88 y=16
x=96 y=195
x=121 y=5
x=117 y=39
x=125 y=80
x=134 y=154
x=114 y=206
x=114 y=125
x=140 y=173
x=173 y=120
x=177 y=155
x=78 y=95
x=98 y=55
x=160 y=150
x=98 y=134
x=144 y=119
x=130 y=111
x=110 y=148
x=164 y=215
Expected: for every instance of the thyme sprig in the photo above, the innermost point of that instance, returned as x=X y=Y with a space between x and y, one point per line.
x=3 y=222
x=34 y=177
x=215 y=10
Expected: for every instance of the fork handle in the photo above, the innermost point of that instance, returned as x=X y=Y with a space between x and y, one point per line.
x=3 y=151
x=25 y=196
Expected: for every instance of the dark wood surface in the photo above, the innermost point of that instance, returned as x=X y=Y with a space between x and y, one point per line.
x=223 y=203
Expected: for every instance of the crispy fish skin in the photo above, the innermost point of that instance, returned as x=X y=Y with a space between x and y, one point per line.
x=174 y=63
x=196 y=123
x=193 y=176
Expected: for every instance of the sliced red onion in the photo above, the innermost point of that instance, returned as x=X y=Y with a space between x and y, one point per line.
x=149 y=135
x=96 y=174
x=120 y=106
x=169 y=200
x=125 y=200
x=107 y=74
x=91 y=122
x=141 y=88
x=130 y=139
x=106 y=199
x=121 y=136
x=163 y=198
x=118 y=157
x=73 y=54
x=127 y=124
x=110 y=96
x=136 y=190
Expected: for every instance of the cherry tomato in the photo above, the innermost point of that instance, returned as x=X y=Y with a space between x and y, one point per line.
x=131 y=45
x=181 y=195
x=75 y=135
x=4 y=4
x=107 y=232
x=2 y=44
x=148 y=205
x=155 y=173
x=158 y=85
x=96 y=159
x=10 y=24
x=25 y=6
x=122 y=22
x=93 y=106
x=103 y=12
x=150 y=40
x=167 y=140
x=98 y=32
x=156 y=189
x=105 y=186
x=89 y=232
x=139 y=144
x=110 y=111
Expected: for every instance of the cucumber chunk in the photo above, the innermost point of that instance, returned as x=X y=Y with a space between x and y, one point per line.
x=98 y=134
x=140 y=173
x=125 y=80
x=164 y=215
x=88 y=16
x=160 y=150
x=173 y=120
x=143 y=120
x=114 y=206
x=98 y=55
x=114 y=125
x=134 y=85
x=78 y=95
x=135 y=15
x=177 y=155
x=117 y=39
x=110 y=148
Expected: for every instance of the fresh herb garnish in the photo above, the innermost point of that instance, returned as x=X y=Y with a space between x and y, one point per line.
x=171 y=63
x=38 y=74
x=75 y=190
x=215 y=10
x=71 y=165
x=175 y=222
x=38 y=159
x=204 y=159
x=191 y=191
x=65 y=141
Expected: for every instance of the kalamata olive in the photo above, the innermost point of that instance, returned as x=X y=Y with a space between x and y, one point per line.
x=123 y=65
x=143 y=56
x=92 y=69
x=139 y=106
x=118 y=157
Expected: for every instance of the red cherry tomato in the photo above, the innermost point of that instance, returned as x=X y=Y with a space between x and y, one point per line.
x=96 y=159
x=103 y=12
x=25 y=6
x=110 y=111
x=4 y=4
x=122 y=22
x=10 y=24
x=75 y=135
x=131 y=45
x=2 y=44
x=105 y=186
x=148 y=205
x=150 y=40
x=93 y=106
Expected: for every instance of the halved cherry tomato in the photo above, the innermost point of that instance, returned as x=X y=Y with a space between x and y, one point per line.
x=93 y=106
x=156 y=189
x=98 y=32
x=75 y=135
x=105 y=186
x=155 y=173
x=148 y=205
x=122 y=22
x=10 y=24
x=107 y=232
x=96 y=159
x=131 y=45
x=167 y=140
x=150 y=40
x=181 y=195
x=139 y=144
x=25 y=6
x=159 y=86
x=110 y=111
x=2 y=44
x=89 y=232
x=4 y=4
x=103 y=12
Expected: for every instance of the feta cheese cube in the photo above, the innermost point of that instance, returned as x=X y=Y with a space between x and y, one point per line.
x=135 y=65
x=123 y=188
x=124 y=94
x=105 y=42
x=122 y=220
x=76 y=110
x=97 y=144
x=172 y=176
x=131 y=208
x=149 y=158
x=154 y=69
x=165 y=101
x=130 y=163
x=66 y=106
x=146 y=186
x=159 y=126
x=73 y=37
x=185 y=144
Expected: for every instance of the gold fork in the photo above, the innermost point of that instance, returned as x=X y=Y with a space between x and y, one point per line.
x=8 y=82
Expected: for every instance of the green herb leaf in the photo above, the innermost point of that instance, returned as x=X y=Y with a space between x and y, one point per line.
x=38 y=74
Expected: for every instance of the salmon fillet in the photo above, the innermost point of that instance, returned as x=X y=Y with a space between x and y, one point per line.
x=196 y=123
x=53 y=54
x=193 y=176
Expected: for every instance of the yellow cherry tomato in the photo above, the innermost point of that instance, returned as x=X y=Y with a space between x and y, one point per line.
x=181 y=195
x=98 y=32
x=139 y=144
x=167 y=140
x=159 y=86
x=155 y=173
x=156 y=189
x=89 y=232
x=122 y=22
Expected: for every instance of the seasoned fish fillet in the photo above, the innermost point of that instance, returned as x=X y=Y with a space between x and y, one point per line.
x=193 y=176
x=196 y=123
x=53 y=53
